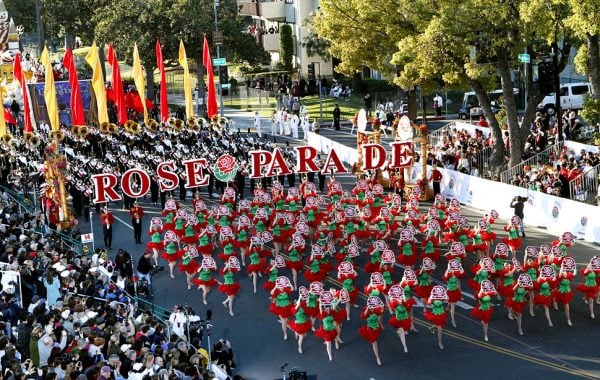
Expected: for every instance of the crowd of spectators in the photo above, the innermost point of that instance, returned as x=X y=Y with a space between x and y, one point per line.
x=68 y=316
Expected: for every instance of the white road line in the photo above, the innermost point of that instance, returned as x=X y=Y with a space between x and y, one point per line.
x=124 y=222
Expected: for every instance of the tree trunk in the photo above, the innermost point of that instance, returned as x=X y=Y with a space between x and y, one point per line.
x=497 y=158
x=412 y=104
x=517 y=136
x=593 y=64
x=69 y=40
x=149 y=82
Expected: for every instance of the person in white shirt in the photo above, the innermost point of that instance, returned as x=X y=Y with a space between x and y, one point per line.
x=305 y=126
x=257 y=123
x=177 y=321
x=274 y=123
x=294 y=122
x=281 y=120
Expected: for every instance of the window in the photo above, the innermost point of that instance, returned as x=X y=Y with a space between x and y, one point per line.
x=564 y=91
x=580 y=90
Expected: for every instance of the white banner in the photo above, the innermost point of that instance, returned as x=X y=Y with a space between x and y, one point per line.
x=87 y=238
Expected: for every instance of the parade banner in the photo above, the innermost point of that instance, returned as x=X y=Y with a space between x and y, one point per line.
x=63 y=97
x=50 y=91
x=76 y=102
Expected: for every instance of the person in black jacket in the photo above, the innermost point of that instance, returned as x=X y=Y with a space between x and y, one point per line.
x=144 y=267
x=337 y=113
x=518 y=203
x=123 y=263
x=222 y=354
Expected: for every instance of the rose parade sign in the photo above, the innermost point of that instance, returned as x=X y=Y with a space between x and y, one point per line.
x=262 y=163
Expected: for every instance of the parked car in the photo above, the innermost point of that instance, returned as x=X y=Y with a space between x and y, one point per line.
x=572 y=96
x=471 y=107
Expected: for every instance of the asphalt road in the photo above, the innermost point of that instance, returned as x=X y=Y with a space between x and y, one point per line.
x=559 y=352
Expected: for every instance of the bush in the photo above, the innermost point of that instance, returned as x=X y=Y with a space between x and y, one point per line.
x=286 y=43
x=591 y=110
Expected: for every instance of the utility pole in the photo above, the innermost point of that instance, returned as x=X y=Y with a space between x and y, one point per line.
x=38 y=19
x=558 y=113
x=219 y=56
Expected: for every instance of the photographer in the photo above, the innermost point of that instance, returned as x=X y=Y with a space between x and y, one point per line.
x=518 y=203
x=144 y=267
x=123 y=263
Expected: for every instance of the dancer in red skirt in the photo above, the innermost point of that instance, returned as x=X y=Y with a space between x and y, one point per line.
x=205 y=281
x=301 y=324
x=546 y=282
x=371 y=330
x=327 y=332
x=590 y=288
x=255 y=268
x=517 y=302
x=172 y=254
x=156 y=243
x=346 y=275
x=280 y=302
x=513 y=240
x=563 y=293
x=452 y=277
x=437 y=315
x=229 y=287
x=408 y=251
x=483 y=311
x=400 y=319
x=188 y=264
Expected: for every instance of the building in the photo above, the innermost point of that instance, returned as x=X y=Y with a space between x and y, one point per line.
x=269 y=15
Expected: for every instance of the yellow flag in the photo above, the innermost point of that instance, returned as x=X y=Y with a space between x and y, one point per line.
x=2 y=118
x=93 y=60
x=187 y=81
x=138 y=78
x=50 y=91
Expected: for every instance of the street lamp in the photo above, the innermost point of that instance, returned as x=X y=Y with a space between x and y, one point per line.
x=218 y=56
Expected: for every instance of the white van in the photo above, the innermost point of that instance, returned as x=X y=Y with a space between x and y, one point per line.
x=572 y=96
x=471 y=107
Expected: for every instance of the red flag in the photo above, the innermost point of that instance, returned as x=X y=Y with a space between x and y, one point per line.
x=117 y=85
x=77 y=113
x=8 y=117
x=164 y=105
x=211 y=106
x=28 y=128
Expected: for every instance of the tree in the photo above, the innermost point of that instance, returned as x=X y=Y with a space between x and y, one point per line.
x=23 y=13
x=422 y=42
x=69 y=19
x=286 y=47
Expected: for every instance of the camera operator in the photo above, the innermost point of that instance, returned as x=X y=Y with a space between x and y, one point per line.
x=518 y=203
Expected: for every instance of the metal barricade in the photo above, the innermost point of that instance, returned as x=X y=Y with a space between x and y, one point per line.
x=584 y=187
x=508 y=175
x=436 y=137
x=482 y=161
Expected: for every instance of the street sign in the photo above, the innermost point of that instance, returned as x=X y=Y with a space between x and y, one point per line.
x=226 y=85
x=219 y=62
x=87 y=238
x=524 y=58
x=218 y=38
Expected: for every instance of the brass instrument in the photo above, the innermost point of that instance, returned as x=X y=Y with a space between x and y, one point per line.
x=7 y=137
x=104 y=127
x=178 y=125
x=135 y=128
x=128 y=125
x=57 y=135
x=75 y=130
x=34 y=141
x=152 y=126
x=84 y=130
x=112 y=128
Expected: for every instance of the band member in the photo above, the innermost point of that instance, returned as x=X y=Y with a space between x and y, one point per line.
x=107 y=219
x=136 y=213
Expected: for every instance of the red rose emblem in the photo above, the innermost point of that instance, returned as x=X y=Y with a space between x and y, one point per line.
x=225 y=164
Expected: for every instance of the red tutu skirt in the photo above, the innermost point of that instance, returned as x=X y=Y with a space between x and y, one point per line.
x=449 y=236
x=516 y=306
x=269 y=285
x=407 y=260
x=189 y=239
x=476 y=247
x=454 y=295
x=482 y=315
x=474 y=285
x=506 y=291
x=205 y=250
x=409 y=303
x=281 y=239
x=400 y=324
x=239 y=244
x=312 y=312
x=230 y=290
x=300 y=328
x=488 y=236
x=297 y=265
x=353 y=296
x=209 y=283
x=563 y=298
x=589 y=291
x=190 y=268
x=173 y=256
x=513 y=243
x=368 y=334
x=168 y=227
x=542 y=300
x=312 y=277
x=282 y=311
x=339 y=315
x=159 y=245
x=327 y=336
x=180 y=232
x=371 y=267
x=422 y=292
x=438 y=320
x=256 y=268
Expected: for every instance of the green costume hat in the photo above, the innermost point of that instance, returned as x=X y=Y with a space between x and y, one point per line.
x=171 y=248
x=228 y=249
x=293 y=207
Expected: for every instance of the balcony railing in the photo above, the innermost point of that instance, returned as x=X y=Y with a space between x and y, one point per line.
x=271 y=41
x=269 y=10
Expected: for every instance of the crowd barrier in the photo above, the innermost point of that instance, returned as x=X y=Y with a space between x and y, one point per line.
x=543 y=157
x=555 y=214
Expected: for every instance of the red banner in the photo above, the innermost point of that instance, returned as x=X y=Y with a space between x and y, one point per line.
x=164 y=105
x=77 y=113
x=18 y=72
x=117 y=84
x=211 y=106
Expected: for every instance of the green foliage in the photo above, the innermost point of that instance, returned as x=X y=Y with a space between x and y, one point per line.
x=286 y=43
x=23 y=13
x=591 y=110
x=370 y=86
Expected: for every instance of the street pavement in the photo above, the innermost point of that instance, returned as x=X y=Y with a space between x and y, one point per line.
x=559 y=352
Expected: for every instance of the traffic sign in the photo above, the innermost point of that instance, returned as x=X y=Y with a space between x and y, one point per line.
x=219 y=62
x=525 y=58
